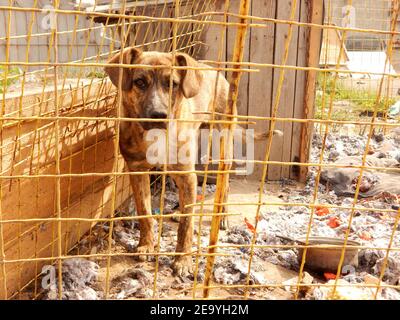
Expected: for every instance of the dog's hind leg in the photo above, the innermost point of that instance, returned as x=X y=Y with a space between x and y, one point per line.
x=187 y=185
x=141 y=193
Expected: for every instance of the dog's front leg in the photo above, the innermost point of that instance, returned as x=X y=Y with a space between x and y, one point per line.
x=187 y=186
x=141 y=192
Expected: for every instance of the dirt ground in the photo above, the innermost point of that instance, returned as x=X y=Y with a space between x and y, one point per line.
x=272 y=269
x=77 y=273
x=171 y=287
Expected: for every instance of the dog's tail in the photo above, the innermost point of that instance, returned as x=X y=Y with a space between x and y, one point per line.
x=267 y=135
x=259 y=136
x=254 y=136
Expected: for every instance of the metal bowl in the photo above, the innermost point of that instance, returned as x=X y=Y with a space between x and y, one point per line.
x=325 y=258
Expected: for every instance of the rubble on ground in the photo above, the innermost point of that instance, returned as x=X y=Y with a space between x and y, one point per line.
x=132 y=283
x=78 y=277
x=370 y=227
x=234 y=271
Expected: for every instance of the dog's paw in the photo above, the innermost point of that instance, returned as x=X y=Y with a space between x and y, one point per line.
x=144 y=252
x=183 y=266
x=224 y=223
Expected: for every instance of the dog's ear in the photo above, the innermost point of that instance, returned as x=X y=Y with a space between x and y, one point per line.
x=129 y=56
x=191 y=79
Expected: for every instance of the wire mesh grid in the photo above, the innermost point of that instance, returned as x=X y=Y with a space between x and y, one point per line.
x=65 y=191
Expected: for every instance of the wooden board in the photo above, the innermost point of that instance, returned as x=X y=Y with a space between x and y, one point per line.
x=142 y=29
x=261 y=84
x=298 y=110
x=214 y=38
x=85 y=147
x=162 y=30
x=242 y=104
x=258 y=91
x=83 y=46
x=313 y=56
x=184 y=30
x=282 y=147
x=41 y=240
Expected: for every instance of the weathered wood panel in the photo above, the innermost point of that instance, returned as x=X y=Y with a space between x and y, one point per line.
x=214 y=37
x=258 y=91
x=298 y=111
x=261 y=84
x=29 y=149
x=313 y=56
x=281 y=148
x=81 y=38
x=86 y=43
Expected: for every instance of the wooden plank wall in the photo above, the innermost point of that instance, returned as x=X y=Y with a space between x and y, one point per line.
x=151 y=35
x=39 y=45
x=28 y=149
x=258 y=91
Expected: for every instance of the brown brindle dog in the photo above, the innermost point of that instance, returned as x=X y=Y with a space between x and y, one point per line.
x=146 y=94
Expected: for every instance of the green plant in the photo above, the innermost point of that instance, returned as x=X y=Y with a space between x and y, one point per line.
x=358 y=101
x=9 y=77
x=96 y=74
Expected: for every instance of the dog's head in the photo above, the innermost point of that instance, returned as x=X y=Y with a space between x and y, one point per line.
x=146 y=91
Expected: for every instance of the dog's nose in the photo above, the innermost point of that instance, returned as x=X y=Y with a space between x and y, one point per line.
x=159 y=115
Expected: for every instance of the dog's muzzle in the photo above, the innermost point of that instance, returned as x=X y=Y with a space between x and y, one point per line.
x=156 y=114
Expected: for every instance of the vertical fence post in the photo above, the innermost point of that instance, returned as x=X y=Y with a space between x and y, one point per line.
x=314 y=44
x=223 y=176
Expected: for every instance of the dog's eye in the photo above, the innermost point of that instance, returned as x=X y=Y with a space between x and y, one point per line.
x=140 y=83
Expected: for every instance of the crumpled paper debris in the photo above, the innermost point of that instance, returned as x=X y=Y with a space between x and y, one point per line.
x=77 y=277
x=133 y=283
x=233 y=271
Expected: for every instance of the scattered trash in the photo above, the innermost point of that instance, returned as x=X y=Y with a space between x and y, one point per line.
x=334 y=222
x=292 y=284
x=133 y=283
x=171 y=202
x=344 y=291
x=322 y=211
x=394 y=110
x=365 y=235
x=238 y=235
x=127 y=237
x=77 y=277
x=171 y=196
x=392 y=270
x=249 y=225
x=329 y=276
x=371 y=228
x=234 y=271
